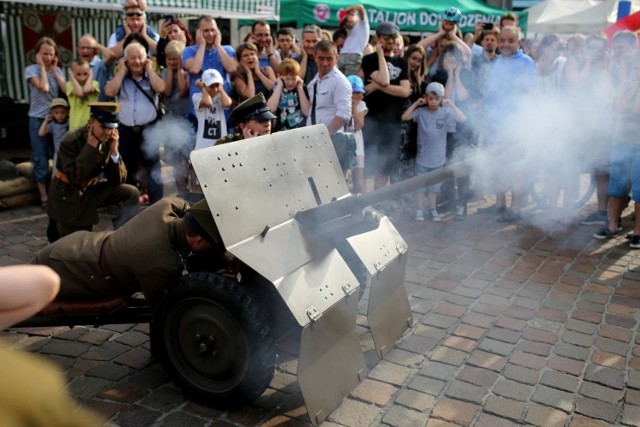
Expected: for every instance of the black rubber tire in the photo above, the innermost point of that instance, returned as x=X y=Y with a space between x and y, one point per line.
x=238 y=364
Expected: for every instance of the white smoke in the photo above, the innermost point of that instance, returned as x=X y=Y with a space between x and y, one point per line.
x=173 y=133
x=553 y=139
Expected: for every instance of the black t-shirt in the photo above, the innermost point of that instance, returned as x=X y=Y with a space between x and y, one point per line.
x=382 y=105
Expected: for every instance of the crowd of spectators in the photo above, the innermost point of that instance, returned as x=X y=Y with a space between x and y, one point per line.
x=498 y=94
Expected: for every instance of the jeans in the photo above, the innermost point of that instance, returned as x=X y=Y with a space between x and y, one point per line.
x=40 y=151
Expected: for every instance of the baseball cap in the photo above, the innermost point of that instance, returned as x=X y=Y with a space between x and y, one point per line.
x=106 y=113
x=211 y=77
x=59 y=102
x=435 y=87
x=387 y=29
x=254 y=108
x=356 y=83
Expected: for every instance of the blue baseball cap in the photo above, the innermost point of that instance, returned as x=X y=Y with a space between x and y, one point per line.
x=356 y=83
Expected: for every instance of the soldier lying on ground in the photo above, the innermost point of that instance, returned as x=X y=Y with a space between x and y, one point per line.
x=147 y=253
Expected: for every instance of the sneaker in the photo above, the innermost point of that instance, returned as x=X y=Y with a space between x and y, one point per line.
x=634 y=243
x=605 y=233
x=434 y=216
x=509 y=216
x=489 y=210
x=598 y=217
x=461 y=214
x=419 y=215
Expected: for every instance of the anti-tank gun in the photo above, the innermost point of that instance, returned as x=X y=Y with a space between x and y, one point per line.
x=281 y=205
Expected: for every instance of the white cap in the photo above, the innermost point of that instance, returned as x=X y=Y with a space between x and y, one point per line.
x=211 y=77
x=436 y=88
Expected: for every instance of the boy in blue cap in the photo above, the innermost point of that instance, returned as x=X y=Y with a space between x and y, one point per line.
x=355 y=125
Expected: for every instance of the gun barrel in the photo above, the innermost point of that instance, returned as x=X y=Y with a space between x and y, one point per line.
x=353 y=205
x=416 y=183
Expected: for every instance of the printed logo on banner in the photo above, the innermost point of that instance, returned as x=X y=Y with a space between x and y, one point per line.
x=54 y=25
x=321 y=12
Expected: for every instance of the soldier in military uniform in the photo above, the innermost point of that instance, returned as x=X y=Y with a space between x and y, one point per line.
x=147 y=253
x=90 y=173
x=252 y=117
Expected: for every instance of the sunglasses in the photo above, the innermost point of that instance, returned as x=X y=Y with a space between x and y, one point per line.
x=130 y=14
x=387 y=37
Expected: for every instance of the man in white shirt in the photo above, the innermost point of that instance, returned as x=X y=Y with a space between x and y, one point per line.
x=330 y=95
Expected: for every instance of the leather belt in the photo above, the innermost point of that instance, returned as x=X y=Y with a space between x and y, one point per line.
x=64 y=178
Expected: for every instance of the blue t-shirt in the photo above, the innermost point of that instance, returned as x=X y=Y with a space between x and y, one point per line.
x=511 y=78
x=433 y=127
x=211 y=60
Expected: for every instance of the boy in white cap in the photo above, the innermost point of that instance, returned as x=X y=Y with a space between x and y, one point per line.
x=209 y=106
x=434 y=122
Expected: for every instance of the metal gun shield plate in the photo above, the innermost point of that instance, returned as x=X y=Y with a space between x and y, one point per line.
x=331 y=362
x=382 y=251
x=254 y=189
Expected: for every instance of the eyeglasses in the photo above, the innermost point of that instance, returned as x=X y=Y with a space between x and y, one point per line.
x=131 y=14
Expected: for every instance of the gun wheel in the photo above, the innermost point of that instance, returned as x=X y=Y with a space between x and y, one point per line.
x=215 y=340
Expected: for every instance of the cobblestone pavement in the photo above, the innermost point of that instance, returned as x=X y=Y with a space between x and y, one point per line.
x=513 y=326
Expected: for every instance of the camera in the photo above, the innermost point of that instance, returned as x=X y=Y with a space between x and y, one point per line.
x=169 y=19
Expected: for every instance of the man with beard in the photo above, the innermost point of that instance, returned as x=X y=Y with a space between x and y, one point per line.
x=268 y=55
x=482 y=63
x=387 y=86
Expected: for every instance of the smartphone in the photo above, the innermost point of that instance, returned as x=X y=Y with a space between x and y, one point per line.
x=168 y=18
x=488 y=26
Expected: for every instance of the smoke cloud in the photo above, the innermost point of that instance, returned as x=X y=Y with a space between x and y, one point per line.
x=173 y=133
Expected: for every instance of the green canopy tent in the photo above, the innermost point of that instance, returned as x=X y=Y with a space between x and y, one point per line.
x=410 y=16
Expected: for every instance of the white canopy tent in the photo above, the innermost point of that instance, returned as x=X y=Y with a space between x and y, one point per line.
x=574 y=16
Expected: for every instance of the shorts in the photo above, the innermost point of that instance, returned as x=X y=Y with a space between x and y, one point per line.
x=624 y=171
x=345 y=146
x=419 y=170
x=349 y=63
x=359 y=150
x=382 y=145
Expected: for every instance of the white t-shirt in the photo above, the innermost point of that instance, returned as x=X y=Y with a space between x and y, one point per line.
x=357 y=134
x=357 y=37
x=212 y=124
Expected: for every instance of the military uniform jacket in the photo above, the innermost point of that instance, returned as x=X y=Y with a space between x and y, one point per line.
x=146 y=253
x=82 y=164
x=230 y=138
